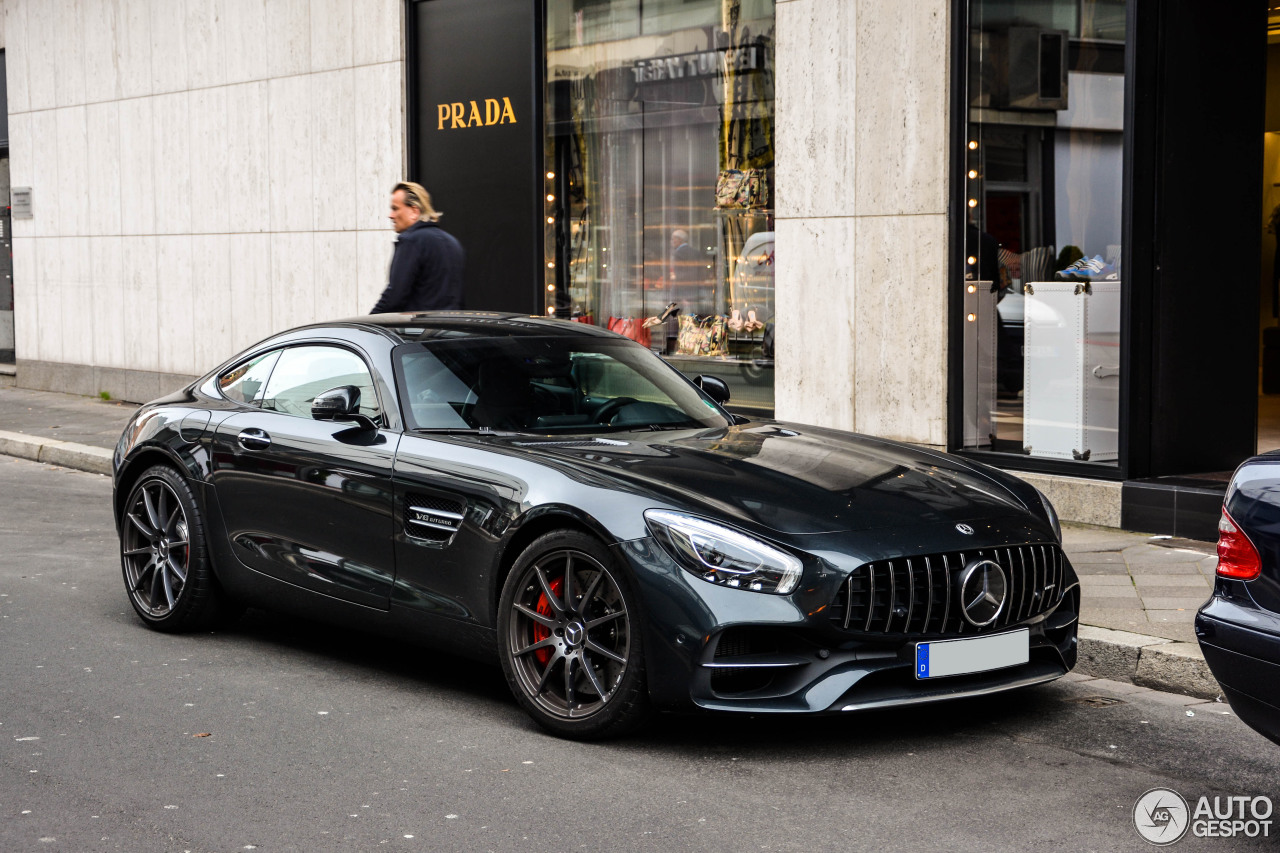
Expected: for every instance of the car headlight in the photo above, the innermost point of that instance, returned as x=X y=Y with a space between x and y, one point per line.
x=1052 y=514
x=723 y=556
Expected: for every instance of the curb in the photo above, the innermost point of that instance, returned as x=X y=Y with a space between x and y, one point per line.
x=68 y=454
x=1146 y=661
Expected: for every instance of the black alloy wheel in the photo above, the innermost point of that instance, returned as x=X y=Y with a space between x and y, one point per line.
x=569 y=638
x=163 y=556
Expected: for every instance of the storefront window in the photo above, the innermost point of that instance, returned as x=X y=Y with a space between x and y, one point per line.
x=1044 y=166
x=659 y=180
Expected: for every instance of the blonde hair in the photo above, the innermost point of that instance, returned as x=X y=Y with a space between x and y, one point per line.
x=417 y=197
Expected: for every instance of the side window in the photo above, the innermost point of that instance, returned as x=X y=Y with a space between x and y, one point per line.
x=243 y=383
x=307 y=371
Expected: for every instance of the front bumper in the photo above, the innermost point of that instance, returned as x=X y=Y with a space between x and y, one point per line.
x=1241 y=645
x=726 y=649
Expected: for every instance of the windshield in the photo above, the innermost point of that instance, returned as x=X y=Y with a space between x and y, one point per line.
x=545 y=384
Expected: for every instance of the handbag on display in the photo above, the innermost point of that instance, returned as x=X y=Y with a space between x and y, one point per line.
x=742 y=188
x=630 y=327
x=705 y=336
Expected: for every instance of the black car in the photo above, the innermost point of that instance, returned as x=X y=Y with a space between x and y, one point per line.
x=1239 y=627
x=557 y=497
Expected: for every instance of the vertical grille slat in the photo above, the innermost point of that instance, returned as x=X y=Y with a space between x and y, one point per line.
x=919 y=602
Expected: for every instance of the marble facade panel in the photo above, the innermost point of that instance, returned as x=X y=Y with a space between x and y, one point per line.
x=251 y=317
x=211 y=300
x=377 y=31
x=44 y=174
x=373 y=259
x=69 y=68
x=900 y=361
x=42 y=55
x=290 y=126
x=103 y=185
x=813 y=382
x=245 y=40
x=293 y=285
x=336 y=291
x=173 y=163
x=333 y=150
x=137 y=167
x=101 y=61
x=17 y=57
x=289 y=49
x=106 y=255
x=26 y=303
x=903 y=101
x=168 y=46
x=48 y=296
x=72 y=150
x=815 y=107
x=206 y=51
x=175 y=301
x=210 y=162
x=247 y=147
x=331 y=35
x=141 y=305
x=22 y=167
x=133 y=47
x=379 y=146
x=77 y=295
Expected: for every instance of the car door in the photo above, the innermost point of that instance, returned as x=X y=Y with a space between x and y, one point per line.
x=307 y=501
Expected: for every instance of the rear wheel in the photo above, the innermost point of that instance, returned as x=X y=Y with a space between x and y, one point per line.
x=569 y=638
x=163 y=555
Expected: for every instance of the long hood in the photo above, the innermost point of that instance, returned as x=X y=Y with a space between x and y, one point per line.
x=792 y=479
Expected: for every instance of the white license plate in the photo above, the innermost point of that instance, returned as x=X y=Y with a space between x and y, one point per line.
x=972 y=654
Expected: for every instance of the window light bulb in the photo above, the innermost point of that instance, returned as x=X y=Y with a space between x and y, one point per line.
x=971 y=317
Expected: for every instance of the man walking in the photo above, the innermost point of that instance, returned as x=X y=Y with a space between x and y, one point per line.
x=426 y=269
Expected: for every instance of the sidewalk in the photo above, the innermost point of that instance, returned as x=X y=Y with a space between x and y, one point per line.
x=1140 y=593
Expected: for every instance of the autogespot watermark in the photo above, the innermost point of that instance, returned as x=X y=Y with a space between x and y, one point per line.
x=1162 y=816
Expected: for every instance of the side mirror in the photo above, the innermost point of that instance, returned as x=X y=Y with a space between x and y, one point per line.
x=714 y=387
x=340 y=404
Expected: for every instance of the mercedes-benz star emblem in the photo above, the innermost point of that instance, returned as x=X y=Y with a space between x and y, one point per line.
x=965 y=529
x=982 y=592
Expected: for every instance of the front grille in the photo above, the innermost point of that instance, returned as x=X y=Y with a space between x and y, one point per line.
x=918 y=595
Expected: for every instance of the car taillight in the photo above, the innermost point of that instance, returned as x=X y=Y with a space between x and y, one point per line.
x=1237 y=558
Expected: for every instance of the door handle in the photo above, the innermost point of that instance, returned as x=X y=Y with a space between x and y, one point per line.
x=254 y=439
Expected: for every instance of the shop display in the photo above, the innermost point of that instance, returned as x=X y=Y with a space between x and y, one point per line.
x=1072 y=370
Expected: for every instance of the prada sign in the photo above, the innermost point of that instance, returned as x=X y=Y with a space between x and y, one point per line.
x=706 y=63
x=458 y=116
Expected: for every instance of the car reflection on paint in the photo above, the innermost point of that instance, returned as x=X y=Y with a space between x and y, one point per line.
x=557 y=499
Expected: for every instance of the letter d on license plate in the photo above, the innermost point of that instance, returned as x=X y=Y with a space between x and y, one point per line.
x=972 y=654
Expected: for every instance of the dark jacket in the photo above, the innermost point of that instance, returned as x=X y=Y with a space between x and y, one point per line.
x=426 y=271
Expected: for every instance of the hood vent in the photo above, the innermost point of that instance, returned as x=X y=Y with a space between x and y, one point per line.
x=589 y=442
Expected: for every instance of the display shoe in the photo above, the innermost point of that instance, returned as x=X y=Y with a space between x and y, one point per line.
x=735 y=320
x=1094 y=269
x=673 y=308
x=752 y=323
x=1069 y=274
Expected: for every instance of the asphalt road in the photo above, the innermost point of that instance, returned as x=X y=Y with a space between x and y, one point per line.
x=278 y=734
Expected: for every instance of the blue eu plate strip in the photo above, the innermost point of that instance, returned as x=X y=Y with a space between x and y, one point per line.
x=922 y=660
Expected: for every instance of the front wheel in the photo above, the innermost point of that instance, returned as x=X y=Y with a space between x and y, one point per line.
x=163 y=556
x=569 y=638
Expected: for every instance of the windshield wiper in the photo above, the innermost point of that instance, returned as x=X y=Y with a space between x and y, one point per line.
x=484 y=430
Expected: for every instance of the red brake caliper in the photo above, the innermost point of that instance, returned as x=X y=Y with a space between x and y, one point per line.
x=540 y=631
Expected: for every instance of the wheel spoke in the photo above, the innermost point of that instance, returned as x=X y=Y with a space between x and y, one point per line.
x=136 y=551
x=536 y=616
x=608 y=617
x=591 y=676
x=168 y=525
x=168 y=588
x=142 y=526
x=142 y=576
x=179 y=572
x=601 y=650
x=567 y=589
x=591 y=591
x=547 y=643
x=153 y=516
x=546 y=590
x=157 y=583
x=568 y=684
x=181 y=543
x=546 y=673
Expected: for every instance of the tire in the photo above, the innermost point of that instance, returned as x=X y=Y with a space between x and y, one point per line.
x=164 y=558
x=575 y=662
